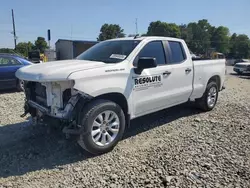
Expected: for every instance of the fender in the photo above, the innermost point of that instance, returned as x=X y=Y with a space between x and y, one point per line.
x=102 y=81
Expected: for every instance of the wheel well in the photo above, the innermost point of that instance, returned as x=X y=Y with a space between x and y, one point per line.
x=216 y=79
x=117 y=98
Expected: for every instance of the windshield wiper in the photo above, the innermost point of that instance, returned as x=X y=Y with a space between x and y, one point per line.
x=100 y=60
x=93 y=60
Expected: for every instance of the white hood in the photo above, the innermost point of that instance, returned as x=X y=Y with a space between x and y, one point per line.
x=55 y=71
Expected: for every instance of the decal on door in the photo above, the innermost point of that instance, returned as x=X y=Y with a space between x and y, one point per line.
x=145 y=82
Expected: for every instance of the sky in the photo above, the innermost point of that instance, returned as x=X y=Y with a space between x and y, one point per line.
x=82 y=19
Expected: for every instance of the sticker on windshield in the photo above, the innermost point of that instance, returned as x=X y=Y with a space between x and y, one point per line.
x=118 y=56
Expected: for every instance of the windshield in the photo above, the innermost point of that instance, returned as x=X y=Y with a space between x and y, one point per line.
x=109 y=51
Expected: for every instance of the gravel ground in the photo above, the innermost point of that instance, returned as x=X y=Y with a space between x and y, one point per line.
x=177 y=147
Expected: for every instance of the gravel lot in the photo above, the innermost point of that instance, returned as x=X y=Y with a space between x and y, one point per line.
x=178 y=147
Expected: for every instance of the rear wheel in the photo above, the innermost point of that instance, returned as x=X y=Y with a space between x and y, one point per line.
x=209 y=99
x=103 y=125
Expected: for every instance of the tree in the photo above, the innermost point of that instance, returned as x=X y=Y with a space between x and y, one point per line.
x=239 y=46
x=233 y=47
x=184 y=32
x=24 y=47
x=159 y=28
x=110 y=31
x=41 y=44
x=220 y=39
x=6 y=50
x=203 y=38
x=200 y=36
x=243 y=46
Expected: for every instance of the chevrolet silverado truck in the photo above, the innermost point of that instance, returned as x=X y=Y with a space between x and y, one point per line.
x=95 y=95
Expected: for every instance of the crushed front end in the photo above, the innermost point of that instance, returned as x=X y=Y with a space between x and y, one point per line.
x=51 y=100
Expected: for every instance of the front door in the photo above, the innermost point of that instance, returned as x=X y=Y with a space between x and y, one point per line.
x=168 y=84
x=149 y=91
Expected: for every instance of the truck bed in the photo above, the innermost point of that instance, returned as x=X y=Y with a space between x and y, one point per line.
x=204 y=69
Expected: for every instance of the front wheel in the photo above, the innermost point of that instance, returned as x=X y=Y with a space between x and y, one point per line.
x=103 y=125
x=209 y=99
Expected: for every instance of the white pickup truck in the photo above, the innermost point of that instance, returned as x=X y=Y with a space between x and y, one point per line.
x=97 y=94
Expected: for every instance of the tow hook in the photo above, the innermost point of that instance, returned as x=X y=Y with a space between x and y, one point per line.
x=24 y=114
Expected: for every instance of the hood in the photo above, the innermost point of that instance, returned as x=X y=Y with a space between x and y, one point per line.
x=56 y=70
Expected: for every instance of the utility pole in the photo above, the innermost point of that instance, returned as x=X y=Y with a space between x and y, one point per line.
x=136 y=27
x=14 y=28
x=71 y=31
x=49 y=37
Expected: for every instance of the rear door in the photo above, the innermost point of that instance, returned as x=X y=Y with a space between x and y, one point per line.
x=8 y=68
x=181 y=72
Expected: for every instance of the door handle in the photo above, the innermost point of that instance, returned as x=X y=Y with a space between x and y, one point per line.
x=166 y=73
x=188 y=70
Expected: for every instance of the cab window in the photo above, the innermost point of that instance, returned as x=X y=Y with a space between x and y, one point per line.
x=154 y=49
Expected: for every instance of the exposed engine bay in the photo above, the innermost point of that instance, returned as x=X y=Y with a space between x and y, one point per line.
x=52 y=99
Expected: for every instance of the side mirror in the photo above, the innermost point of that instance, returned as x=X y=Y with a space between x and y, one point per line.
x=145 y=63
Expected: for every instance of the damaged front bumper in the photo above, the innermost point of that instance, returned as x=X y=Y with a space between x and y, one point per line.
x=56 y=100
x=64 y=114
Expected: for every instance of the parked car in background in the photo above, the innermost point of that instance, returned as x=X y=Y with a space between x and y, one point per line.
x=9 y=64
x=240 y=61
x=243 y=67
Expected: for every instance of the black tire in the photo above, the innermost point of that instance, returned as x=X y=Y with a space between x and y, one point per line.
x=20 y=85
x=202 y=102
x=86 y=119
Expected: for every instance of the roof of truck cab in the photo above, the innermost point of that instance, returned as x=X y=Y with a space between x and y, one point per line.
x=148 y=38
